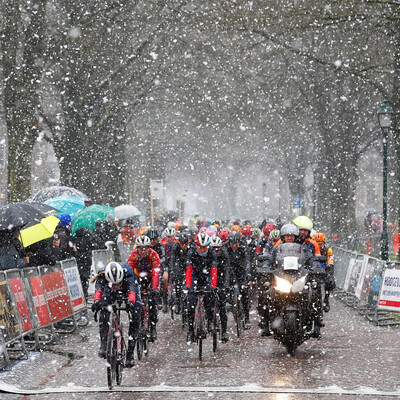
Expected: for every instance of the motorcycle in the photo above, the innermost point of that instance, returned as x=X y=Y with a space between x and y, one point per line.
x=292 y=285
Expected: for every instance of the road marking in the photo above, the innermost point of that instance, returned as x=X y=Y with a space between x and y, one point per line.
x=334 y=390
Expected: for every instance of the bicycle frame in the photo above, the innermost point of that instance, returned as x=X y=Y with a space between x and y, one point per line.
x=116 y=347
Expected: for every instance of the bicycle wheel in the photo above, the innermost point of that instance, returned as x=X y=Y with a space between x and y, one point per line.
x=111 y=354
x=183 y=312
x=121 y=356
x=139 y=343
x=217 y=326
x=238 y=313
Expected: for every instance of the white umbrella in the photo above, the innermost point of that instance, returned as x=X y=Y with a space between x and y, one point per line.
x=125 y=211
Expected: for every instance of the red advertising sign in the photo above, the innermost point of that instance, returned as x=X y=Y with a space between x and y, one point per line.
x=39 y=301
x=57 y=295
x=19 y=295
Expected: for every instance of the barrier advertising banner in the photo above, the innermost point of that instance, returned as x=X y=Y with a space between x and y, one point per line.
x=56 y=295
x=74 y=285
x=19 y=296
x=389 y=298
x=8 y=320
x=39 y=301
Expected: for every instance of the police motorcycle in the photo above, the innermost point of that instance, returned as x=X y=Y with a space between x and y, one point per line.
x=292 y=280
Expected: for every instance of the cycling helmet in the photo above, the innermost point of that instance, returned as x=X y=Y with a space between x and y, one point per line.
x=236 y=228
x=247 y=230
x=303 y=222
x=203 y=229
x=211 y=232
x=319 y=237
x=152 y=233
x=267 y=229
x=223 y=234
x=202 y=239
x=256 y=232
x=169 y=232
x=184 y=237
x=114 y=273
x=234 y=237
x=275 y=234
x=289 y=229
x=142 y=241
x=216 y=241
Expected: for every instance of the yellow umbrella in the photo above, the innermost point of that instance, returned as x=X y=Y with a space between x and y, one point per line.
x=43 y=230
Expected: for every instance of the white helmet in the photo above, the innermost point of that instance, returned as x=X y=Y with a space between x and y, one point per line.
x=216 y=241
x=142 y=241
x=114 y=273
x=169 y=232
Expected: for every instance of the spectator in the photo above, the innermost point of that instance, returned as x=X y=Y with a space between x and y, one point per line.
x=84 y=246
x=10 y=246
x=63 y=247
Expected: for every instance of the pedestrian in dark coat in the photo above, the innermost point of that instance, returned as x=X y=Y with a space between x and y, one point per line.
x=84 y=246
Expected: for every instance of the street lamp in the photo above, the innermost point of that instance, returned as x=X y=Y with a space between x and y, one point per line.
x=385 y=120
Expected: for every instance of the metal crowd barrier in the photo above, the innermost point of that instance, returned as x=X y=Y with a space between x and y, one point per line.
x=34 y=303
x=370 y=285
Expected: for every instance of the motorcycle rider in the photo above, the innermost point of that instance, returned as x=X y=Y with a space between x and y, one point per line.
x=117 y=277
x=327 y=254
x=289 y=234
x=240 y=268
x=145 y=263
x=223 y=279
x=305 y=226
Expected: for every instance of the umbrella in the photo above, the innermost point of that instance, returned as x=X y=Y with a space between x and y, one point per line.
x=44 y=208
x=18 y=215
x=55 y=191
x=125 y=211
x=67 y=204
x=40 y=231
x=88 y=216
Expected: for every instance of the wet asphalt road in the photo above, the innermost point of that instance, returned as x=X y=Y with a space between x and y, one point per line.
x=352 y=353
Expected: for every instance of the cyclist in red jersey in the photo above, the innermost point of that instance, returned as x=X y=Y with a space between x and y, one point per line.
x=145 y=263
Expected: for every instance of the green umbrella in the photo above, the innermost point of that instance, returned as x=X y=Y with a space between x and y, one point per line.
x=88 y=216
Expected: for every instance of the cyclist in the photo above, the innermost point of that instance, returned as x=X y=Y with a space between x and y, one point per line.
x=145 y=263
x=327 y=254
x=177 y=265
x=201 y=274
x=273 y=240
x=223 y=279
x=262 y=241
x=240 y=270
x=223 y=234
x=156 y=245
x=167 y=241
x=117 y=278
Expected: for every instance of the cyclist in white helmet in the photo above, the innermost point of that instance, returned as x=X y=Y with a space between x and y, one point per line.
x=114 y=279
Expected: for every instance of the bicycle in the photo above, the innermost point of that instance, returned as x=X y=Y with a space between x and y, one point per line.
x=116 y=349
x=237 y=310
x=217 y=324
x=144 y=328
x=200 y=323
x=172 y=298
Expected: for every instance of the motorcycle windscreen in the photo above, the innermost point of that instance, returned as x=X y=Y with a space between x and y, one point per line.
x=290 y=263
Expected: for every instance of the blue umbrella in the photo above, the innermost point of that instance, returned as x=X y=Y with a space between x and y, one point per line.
x=67 y=204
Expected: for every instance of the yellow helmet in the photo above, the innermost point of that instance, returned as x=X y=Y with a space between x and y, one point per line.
x=303 y=222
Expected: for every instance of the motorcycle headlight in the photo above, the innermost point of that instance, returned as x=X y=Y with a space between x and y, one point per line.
x=282 y=285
